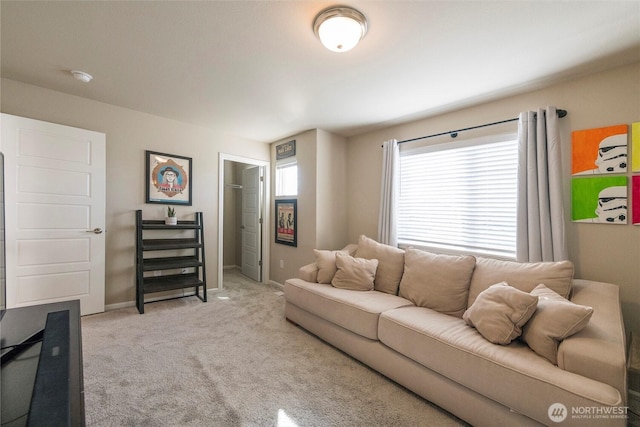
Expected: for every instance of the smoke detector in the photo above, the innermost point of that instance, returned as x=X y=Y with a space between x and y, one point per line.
x=81 y=75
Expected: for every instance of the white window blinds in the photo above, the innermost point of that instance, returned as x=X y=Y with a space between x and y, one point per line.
x=460 y=197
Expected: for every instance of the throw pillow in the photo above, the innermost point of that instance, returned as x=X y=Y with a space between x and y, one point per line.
x=524 y=276
x=500 y=311
x=555 y=319
x=354 y=273
x=326 y=263
x=436 y=281
x=390 y=263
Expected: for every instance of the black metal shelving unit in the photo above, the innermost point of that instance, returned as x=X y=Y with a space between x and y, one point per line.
x=195 y=278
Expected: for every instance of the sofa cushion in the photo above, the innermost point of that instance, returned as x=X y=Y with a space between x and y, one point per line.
x=390 y=263
x=354 y=273
x=447 y=345
x=555 y=319
x=357 y=312
x=326 y=264
x=523 y=276
x=437 y=281
x=500 y=311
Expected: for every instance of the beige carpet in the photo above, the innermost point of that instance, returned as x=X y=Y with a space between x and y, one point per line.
x=233 y=361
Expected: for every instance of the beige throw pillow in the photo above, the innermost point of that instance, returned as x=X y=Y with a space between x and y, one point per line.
x=390 y=263
x=524 y=276
x=326 y=263
x=555 y=319
x=436 y=281
x=354 y=273
x=500 y=311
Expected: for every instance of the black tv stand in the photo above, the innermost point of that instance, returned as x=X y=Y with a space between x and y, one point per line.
x=42 y=382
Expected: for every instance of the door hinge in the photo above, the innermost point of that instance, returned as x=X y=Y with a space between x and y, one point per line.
x=260 y=221
x=262 y=179
x=260 y=263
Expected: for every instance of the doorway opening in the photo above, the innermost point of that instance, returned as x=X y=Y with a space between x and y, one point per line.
x=243 y=217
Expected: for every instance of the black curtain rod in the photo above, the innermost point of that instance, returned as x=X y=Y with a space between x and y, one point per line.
x=454 y=133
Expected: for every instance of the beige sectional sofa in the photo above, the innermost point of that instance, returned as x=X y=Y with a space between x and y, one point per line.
x=400 y=313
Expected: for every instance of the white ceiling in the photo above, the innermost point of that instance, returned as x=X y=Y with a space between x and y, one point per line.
x=254 y=69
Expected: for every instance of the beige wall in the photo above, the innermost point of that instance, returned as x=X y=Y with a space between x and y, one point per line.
x=609 y=253
x=331 y=191
x=294 y=257
x=322 y=208
x=129 y=133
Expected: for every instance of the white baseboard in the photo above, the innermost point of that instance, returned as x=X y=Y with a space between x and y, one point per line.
x=274 y=283
x=231 y=267
x=119 y=305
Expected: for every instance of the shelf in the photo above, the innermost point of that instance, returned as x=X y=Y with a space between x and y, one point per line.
x=164 y=244
x=160 y=225
x=170 y=263
x=191 y=256
x=171 y=282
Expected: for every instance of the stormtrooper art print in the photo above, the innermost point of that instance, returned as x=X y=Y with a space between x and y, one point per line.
x=599 y=151
x=601 y=200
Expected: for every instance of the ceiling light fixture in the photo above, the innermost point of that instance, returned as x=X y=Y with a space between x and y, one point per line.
x=340 y=28
x=82 y=76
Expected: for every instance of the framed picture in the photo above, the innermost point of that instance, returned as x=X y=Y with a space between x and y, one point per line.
x=599 y=151
x=168 y=178
x=599 y=199
x=288 y=149
x=287 y=222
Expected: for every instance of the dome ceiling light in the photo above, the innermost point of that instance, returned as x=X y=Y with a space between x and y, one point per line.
x=340 y=28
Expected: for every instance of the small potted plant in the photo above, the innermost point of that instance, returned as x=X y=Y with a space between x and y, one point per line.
x=171 y=218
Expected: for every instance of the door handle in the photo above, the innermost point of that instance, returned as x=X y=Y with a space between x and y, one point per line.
x=95 y=231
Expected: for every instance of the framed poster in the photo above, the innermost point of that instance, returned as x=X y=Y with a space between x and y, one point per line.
x=168 y=178
x=601 y=199
x=599 y=151
x=287 y=222
x=288 y=149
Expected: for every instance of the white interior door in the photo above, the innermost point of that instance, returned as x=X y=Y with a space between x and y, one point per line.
x=251 y=233
x=55 y=213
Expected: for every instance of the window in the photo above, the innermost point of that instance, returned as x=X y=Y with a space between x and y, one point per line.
x=460 y=197
x=287 y=179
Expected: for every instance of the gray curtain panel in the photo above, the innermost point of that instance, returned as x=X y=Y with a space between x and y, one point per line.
x=540 y=227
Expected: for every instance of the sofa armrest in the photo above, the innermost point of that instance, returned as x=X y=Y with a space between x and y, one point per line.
x=309 y=273
x=597 y=351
